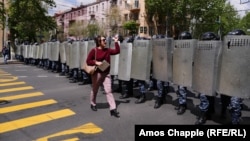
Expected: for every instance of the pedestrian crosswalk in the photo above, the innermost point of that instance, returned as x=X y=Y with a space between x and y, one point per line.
x=12 y=89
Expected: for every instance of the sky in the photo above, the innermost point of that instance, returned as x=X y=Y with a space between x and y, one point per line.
x=63 y=5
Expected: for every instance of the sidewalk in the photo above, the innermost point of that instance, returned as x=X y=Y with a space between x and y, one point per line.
x=11 y=61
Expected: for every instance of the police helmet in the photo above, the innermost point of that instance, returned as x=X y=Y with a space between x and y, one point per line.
x=209 y=36
x=185 y=35
x=237 y=32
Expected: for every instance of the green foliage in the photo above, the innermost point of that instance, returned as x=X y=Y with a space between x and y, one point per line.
x=92 y=30
x=244 y=23
x=132 y=26
x=198 y=15
x=28 y=18
x=2 y=15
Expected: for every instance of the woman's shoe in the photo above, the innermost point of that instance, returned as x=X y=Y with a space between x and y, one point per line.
x=114 y=113
x=94 y=108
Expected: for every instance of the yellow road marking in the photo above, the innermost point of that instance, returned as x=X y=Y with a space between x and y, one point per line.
x=89 y=128
x=26 y=106
x=16 y=89
x=73 y=139
x=12 y=78
x=11 y=84
x=5 y=74
x=20 y=96
x=25 y=122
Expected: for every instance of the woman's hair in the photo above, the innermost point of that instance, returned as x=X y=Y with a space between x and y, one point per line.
x=98 y=40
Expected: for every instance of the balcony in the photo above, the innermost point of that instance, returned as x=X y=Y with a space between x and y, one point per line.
x=135 y=7
x=91 y=13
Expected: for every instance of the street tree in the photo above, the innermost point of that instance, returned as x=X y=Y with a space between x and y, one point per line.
x=29 y=18
x=2 y=15
x=196 y=16
x=131 y=26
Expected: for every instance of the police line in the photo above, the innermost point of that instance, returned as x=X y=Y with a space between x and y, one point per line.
x=208 y=67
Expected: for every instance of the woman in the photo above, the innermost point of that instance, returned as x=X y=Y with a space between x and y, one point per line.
x=96 y=57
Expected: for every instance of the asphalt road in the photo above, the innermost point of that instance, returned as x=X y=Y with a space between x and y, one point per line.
x=45 y=106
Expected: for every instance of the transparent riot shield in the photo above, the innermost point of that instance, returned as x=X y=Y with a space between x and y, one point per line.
x=25 y=51
x=207 y=56
x=162 y=59
x=74 y=55
x=49 y=50
x=67 y=50
x=40 y=52
x=234 y=76
x=91 y=44
x=182 y=62
x=31 y=51
x=141 y=59
x=125 y=59
x=62 y=52
x=18 y=50
x=45 y=50
x=83 y=53
x=55 y=51
x=114 y=61
x=36 y=51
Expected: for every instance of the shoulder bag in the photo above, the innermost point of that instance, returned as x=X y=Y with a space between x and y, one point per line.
x=90 y=69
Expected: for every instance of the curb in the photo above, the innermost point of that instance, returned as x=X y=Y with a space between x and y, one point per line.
x=12 y=62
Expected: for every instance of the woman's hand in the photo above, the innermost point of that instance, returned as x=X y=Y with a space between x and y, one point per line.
x=115 y=38
x=98 y=63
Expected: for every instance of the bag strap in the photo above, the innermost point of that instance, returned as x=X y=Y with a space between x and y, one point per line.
x=95 y=54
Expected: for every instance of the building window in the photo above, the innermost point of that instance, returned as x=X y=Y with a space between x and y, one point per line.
x=145 y=30
x=96 y=8
x=141 y=29
x=102 y=6
x=136 y=4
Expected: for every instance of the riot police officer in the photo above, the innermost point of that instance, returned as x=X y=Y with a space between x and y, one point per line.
x=233 y=104
x=206 y=105
x=182 y=90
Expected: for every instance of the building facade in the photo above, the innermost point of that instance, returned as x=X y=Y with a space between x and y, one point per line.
x=110 y=15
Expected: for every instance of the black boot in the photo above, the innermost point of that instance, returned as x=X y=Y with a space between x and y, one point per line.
x=114 y=113
x=158 y=102
x=201 y=119
x=182 y=109
x=141 y=99
x=125 y=95
x=73 y=81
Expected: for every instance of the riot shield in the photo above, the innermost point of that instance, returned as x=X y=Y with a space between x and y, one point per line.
x=40 y=52
x=125 y=59
x=67 y=50
x=162 y=59
x=62 y=52
x=83 y=52
x=25 y=51
x=55 y=51
x=49 y=50
x=74 y=55
x=18 y=49
x=45 y=50
x=234 y=76
x=36 y=51
x=141 y=59
x=206 y=66
x=182 y=62
x=114 y=61
x=91 y=44
x=31 y=51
